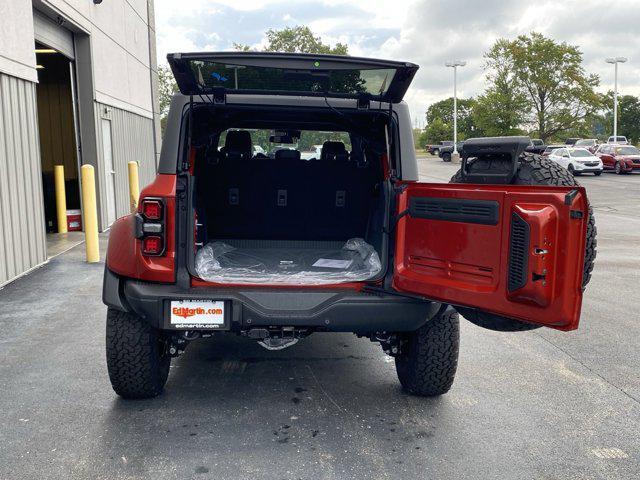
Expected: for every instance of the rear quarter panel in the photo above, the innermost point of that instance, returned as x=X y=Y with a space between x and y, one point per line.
x=123 y=251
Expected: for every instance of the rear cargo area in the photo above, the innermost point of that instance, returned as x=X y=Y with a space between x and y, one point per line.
x=278 y=219
x=287 y=262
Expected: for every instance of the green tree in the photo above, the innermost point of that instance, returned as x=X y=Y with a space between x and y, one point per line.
x=502 y=109
x=166 y=88
x=298 y=39
x=436 y=131
x=440 y=120
x=497 y=114
x=559 y=93
x=418 y=135
x=628 y=117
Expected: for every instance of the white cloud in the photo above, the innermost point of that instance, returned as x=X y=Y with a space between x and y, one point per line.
x=426 y=32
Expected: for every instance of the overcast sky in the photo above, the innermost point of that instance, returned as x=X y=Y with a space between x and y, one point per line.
x=425 y=32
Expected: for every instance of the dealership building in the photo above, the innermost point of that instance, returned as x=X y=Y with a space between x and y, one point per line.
x=78 y=83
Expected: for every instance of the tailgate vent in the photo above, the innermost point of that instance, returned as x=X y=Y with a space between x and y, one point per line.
x=518 y=253
x=484 y=212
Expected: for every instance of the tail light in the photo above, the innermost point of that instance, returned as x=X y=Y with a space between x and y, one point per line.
x=150 y=226
x=152 y=209
x=152 y=245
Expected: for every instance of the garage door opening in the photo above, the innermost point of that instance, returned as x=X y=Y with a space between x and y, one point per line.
x=58 y=144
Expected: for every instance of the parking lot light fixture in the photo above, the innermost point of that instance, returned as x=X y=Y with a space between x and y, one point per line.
x=455 y=64
x=615 y=61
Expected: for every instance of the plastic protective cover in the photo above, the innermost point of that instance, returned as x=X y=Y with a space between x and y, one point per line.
x=222 y=263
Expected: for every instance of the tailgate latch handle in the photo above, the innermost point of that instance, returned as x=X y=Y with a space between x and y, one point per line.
x=569 y=197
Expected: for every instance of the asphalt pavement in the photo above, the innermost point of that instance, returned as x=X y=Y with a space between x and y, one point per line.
x=540 y=404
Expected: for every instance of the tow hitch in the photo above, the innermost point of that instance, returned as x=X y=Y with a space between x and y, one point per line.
x=276 y=338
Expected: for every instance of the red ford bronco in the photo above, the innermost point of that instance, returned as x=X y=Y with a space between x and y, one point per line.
x=240 y=234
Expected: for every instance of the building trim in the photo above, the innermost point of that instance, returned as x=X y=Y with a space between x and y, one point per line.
x=107 y=99
x=17 y=69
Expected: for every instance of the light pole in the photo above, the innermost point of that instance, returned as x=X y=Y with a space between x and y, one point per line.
x=615 y=61
x=455 y=64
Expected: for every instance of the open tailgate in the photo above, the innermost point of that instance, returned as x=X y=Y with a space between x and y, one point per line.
x=291 y=74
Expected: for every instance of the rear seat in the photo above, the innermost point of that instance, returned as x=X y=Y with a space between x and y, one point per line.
x=286 y=197
x=223 y=189
x=336 y=187
x=284 y=194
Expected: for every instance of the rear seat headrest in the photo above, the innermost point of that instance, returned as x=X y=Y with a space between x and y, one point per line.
x=335 y=151
x=286 y=154
x=237 y=144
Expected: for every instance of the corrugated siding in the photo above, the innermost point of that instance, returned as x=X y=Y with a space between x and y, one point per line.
x=132 y=139
x=22 y=228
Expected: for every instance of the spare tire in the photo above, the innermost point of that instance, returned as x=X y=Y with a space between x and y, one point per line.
x=533 y=170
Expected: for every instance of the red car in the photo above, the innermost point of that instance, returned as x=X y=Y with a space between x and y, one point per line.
x=619 y=158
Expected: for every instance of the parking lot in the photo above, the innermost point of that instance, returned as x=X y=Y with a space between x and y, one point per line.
x=540 y=404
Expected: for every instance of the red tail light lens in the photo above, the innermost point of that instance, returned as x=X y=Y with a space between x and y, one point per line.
x=152 y=245
x=152 y=209
x=150 y=226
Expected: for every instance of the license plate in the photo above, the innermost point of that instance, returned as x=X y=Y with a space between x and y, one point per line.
x=197 y=314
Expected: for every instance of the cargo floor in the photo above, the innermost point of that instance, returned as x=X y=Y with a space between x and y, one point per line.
x=287 y=262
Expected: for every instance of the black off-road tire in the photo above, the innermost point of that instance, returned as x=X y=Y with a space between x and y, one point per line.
x=533 y=170
x=446 y=157
x=137 y=357
x=428 y=360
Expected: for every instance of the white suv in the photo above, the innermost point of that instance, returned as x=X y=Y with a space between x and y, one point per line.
x=577 y=160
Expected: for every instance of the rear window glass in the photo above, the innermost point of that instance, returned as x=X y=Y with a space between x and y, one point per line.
x=267 y=79
x=309 y=144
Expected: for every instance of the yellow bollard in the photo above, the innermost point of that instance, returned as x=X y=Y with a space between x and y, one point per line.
x=90 y=214
x=61 y=198
x=134 y=186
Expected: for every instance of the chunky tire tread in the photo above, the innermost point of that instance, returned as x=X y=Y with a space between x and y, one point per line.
x=137 y=365
x=428 y=360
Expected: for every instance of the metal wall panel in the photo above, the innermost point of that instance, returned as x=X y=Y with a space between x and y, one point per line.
x=131 y=139
x=22 y=224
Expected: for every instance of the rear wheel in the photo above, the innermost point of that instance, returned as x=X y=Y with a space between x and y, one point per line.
x=618 y=168
x=137 y=357
x=428 y=359
x=446 y=157
x=533 y=170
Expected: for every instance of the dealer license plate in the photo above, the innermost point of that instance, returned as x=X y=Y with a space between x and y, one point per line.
x=197 y=314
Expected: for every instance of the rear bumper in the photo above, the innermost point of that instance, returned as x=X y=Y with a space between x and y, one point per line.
x=321 y=310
